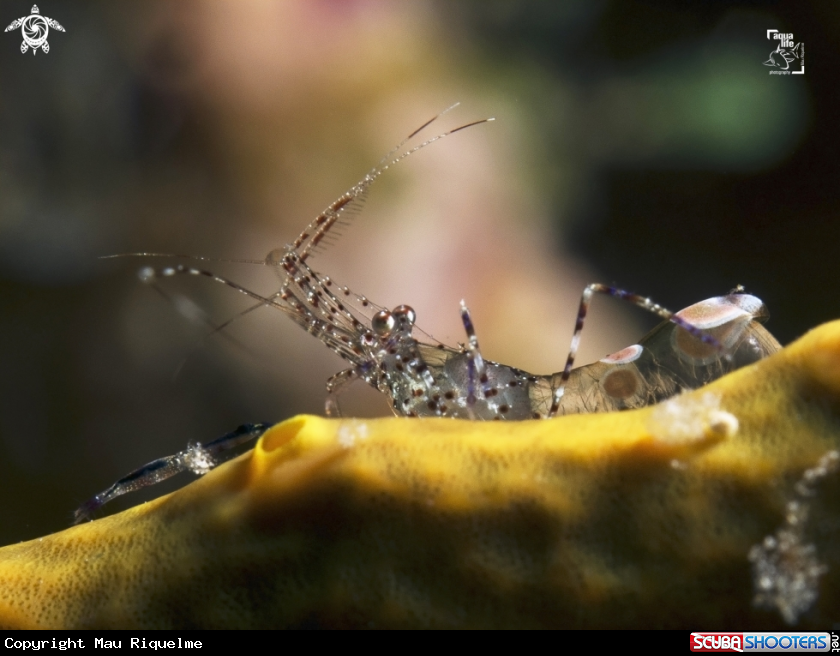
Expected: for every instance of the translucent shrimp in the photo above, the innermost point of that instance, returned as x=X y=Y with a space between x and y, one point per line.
x=425 y=378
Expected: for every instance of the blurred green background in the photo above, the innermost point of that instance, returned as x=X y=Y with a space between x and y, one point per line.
x=642 y=144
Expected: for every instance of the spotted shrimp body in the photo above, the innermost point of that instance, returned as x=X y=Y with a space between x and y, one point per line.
x=691 y=348
x=425 y=378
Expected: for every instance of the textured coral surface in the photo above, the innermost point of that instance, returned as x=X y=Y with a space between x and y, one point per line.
x=631 y=519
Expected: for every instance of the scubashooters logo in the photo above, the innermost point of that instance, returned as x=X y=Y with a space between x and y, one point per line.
x=793 y=641
x=34 y=29
x=788 y=58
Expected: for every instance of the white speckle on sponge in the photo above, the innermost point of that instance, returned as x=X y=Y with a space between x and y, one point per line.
x=690 y=418
x=349 y=433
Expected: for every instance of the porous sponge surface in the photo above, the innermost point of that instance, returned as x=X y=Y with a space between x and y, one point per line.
x=610 y=520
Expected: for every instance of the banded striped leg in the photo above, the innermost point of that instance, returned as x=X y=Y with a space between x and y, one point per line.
x=335 y=385
x=197 y=458
x=475 y=363
x=640 y=301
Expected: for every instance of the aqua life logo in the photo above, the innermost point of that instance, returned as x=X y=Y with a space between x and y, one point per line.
x=788 y=58
x=35 y=29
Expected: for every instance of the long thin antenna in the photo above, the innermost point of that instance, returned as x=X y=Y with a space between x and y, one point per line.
x=315 y=232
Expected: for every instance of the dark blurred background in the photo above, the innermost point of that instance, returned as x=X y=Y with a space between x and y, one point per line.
x=637 y=143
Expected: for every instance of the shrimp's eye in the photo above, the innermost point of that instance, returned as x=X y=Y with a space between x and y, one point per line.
x=405 y=314
x=383 y=323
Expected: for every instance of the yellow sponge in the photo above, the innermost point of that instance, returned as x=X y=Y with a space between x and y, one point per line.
x=716 y=510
